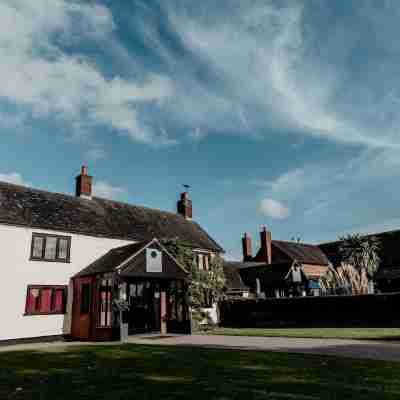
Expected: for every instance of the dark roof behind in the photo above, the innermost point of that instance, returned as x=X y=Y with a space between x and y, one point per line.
x=269 y=274
x=244 y=264
x=232 y=276
x=389 y=253
x=96 y=217
x=304 y=253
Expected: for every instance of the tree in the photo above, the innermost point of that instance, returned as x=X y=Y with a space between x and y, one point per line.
x=360 y=261
x=362 y=252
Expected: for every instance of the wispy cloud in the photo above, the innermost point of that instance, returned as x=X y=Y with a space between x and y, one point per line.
x=36 y=72
x=269 y=68
x=288 y=184
x=197 y=135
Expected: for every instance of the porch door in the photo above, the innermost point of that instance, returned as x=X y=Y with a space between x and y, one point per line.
x=145 y=307
x=82 y=308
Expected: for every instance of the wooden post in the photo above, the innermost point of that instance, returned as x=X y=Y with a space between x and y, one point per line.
x=163 y=313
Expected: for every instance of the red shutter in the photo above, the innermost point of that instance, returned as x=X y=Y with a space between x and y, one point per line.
x=45 y=300
x=59 y=301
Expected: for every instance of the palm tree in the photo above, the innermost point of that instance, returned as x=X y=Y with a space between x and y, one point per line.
x=361 y=253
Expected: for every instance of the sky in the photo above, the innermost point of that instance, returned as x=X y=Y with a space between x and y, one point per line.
x=277 y=113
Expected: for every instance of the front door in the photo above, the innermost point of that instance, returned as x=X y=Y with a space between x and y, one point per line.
x=145 y=307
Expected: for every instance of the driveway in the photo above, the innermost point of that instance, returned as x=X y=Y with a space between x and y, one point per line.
x=389 y=351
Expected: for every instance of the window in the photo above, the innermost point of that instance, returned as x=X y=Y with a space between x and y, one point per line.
x=200 y=261
x=203 y=261
x=207 y=299
x=50 y=248
x=105 y=302
x=45 y=300
x=85 y=298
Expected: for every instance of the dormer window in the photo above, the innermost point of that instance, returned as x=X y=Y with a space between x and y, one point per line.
x=50 y=248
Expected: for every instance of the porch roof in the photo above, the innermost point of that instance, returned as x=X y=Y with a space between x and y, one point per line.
x=129 y=262
x=112 y=259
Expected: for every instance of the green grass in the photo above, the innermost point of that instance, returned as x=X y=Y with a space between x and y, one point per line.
x=333 y=333
x=158 y=372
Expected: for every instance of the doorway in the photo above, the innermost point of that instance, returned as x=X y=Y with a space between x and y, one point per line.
x=145 y=307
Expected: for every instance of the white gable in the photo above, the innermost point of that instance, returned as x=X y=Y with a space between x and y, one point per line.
x=153 y=260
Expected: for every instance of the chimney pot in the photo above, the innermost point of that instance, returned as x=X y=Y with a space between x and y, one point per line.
x=84 y=184
x=184 y=206
x=266 y=245
x=247 y=249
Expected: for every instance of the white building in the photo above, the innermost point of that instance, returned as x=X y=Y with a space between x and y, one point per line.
x=47 y=238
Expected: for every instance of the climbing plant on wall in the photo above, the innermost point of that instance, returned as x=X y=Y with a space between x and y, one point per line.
x=204 y=286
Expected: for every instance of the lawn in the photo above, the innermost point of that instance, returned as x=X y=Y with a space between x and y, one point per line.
x=326 y=333
x=152 y=372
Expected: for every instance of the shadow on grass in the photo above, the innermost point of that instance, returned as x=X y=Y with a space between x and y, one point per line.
x=152 y=372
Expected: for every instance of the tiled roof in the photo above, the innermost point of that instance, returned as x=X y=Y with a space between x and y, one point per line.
x=96 y=217
x=112 y=259
x=304 y=253
x=269 y=274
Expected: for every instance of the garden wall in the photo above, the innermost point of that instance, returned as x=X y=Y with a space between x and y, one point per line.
x=361 y=310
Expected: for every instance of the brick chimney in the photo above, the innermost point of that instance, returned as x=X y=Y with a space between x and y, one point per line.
x=84 y=184
x=266 y=244
x=184 y=206
x=246 y=245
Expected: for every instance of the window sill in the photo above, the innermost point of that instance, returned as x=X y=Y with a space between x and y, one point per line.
x=49 y=313
x=51 y=261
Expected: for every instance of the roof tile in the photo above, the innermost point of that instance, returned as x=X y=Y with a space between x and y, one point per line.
x=96 y=217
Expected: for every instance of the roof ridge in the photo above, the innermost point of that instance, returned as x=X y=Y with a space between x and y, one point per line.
x=96 y=217
x=367 y=234
x=295 y=243
x=71 y=196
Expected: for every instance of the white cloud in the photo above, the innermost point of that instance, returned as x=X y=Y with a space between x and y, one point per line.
x=37 y=73
x=15 y=178
x=274 y=209
x=108 y=191
x=288 y=184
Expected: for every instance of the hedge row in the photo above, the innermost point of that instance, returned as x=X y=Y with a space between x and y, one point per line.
x=362 y=310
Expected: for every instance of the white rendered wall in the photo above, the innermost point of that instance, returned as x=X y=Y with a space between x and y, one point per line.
x=17 y=272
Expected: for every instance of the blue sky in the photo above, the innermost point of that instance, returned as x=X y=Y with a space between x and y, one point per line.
x=278 y=113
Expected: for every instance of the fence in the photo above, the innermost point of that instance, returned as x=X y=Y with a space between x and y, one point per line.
x=361 y=310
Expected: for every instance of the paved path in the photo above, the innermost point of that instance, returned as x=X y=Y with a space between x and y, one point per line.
x=345 y=348
x=337 y=347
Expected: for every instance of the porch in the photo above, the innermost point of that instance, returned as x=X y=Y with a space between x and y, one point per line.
x=135 y=297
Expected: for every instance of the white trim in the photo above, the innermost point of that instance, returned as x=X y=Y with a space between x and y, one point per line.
x=155 y=240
